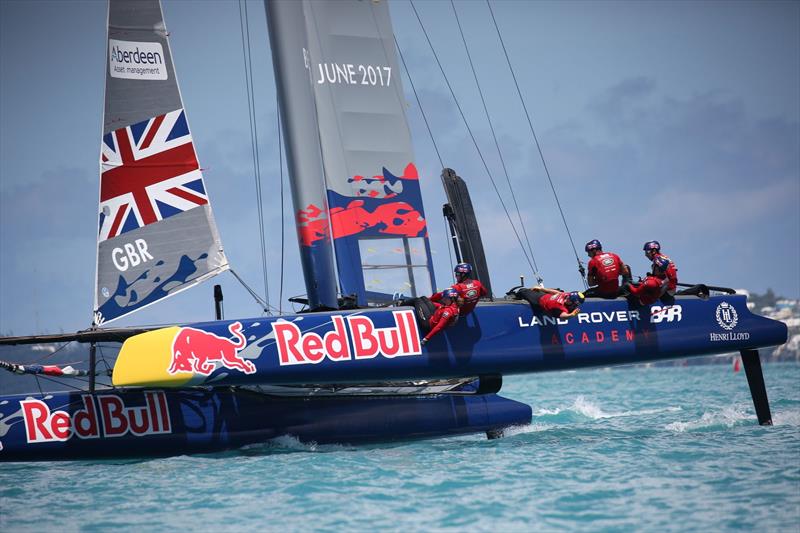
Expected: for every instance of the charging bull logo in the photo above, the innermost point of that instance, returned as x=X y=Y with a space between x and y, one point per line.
x=198 y=351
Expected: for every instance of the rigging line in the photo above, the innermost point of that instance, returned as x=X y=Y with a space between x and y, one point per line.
x=265 y=305
x=472 y=136
x=51 y=354
x=536 y=139
x=283 y=219
x=419 y=103
x=58 y=382
x=433 y=141
x=496 y=142
x=244 y=23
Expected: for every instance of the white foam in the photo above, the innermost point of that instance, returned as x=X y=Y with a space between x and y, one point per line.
x=589 y=409
x=523 y=430
x=727 y=417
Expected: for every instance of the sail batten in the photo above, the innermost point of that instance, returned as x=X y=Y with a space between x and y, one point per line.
x=156 y=230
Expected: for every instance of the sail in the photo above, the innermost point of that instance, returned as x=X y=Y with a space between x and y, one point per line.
x=157 y=235
x=376 y=216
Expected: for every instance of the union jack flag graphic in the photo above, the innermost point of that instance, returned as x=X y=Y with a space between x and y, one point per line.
x=149 y=172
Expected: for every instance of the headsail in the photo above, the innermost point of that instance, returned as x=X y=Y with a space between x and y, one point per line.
x=157 y=235
x=376 y=216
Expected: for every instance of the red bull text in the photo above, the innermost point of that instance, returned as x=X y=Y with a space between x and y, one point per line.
x=198 y=351
x=109 y=417
x=352 y=337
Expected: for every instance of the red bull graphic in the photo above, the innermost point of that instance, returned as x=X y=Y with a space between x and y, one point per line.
x=312 y=223
x=383 y=186
x=369 y=214
x=394 y=218
x=110 y=417
x=198 y=351
x=353 y=337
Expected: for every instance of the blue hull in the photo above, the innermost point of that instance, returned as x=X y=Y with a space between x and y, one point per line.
x=497 y=338
x=114 y=424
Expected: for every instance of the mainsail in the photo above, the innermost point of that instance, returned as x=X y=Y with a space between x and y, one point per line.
x=376 y=216
x=157 y=235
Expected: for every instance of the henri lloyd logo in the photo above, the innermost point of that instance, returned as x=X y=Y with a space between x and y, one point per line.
x=727 y=318
x=136 y=61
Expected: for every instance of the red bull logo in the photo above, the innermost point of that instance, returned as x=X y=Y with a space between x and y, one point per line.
x=110 y=417
x=352 y=337
x=198 y=351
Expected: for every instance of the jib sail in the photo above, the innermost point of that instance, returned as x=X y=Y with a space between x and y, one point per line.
x=376 y=217
x=157 y=235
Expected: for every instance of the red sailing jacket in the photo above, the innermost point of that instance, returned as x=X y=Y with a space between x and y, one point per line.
x=649 y=290
x=606 y=268
x=554 y=304
x=470 y=292
x=671 y=275
x=445 y=315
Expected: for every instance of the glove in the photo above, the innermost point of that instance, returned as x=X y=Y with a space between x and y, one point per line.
x=424 y=342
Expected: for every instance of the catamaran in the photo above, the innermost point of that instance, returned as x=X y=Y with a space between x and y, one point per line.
x=351 y=367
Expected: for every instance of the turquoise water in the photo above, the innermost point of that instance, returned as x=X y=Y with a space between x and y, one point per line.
x=650 y=449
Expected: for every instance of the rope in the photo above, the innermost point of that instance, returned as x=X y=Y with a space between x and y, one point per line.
x=419 y=103
x=472 y=136
x=265 y=305
x=251 y=106
x=538 y=146
x=496 y=142
x=433 y=142
x=283 y=218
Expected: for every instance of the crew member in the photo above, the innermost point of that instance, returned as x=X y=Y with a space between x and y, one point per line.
x=652 y=249
x=446 y=313
x=553 y=302
x=654 y=285
x=604 y=271
x=470 y=290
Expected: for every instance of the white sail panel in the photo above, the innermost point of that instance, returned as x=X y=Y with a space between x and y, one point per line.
x=156 y=232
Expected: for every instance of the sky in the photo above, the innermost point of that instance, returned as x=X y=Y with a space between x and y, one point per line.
x=675 y=121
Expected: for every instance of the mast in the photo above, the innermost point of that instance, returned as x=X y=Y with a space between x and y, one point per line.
x=289 y=44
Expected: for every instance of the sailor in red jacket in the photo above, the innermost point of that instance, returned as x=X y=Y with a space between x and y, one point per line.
x=652 y=249
x=446 y=313
x=605 y=269
x=553 y=302
x=654 y=285
x=470 y=290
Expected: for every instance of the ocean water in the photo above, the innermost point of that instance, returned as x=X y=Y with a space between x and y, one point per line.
x=647 y=449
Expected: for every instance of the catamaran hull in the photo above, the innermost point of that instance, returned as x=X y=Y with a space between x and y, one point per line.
x=374 y=345
x=147 y=423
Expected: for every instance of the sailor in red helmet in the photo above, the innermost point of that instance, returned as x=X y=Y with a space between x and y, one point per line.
x=654 y=285
x=605 y=269
x=446 y=313
x=553 y=302
x=652 y=249
x=470 y=290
